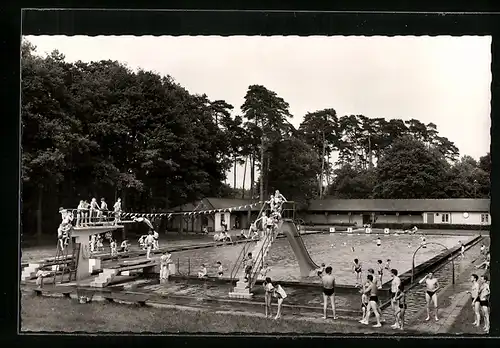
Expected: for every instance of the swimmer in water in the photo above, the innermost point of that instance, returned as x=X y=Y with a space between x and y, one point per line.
x=388 y=265
x=356 y=268
x=321 y=270
x=424 y=242
x=432 y=286
x=379 y=242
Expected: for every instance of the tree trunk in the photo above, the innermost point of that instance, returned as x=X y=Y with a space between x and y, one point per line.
x=39 y=215
x=244 y=177
x=124 y=201
x=266 y=191
x=234 y=174
x=322 y=168
x=252 y=175
x=262 y=168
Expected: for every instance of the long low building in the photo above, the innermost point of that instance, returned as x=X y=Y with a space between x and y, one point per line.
x=238 y=213
x=463 y=211
x=214 y=213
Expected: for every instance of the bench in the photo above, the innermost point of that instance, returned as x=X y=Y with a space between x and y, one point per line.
x=127 y=297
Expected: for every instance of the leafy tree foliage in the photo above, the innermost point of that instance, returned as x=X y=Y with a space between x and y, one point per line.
x=294 y=169
x=99 y=129
x=409 y=169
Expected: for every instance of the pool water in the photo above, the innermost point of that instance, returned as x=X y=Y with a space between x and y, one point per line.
x=334 y=250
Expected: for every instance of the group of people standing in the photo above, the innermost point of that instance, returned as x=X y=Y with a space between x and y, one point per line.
x=92 y=212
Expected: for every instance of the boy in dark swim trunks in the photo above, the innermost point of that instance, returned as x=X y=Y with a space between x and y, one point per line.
x=484 y=301
x=474 y=293
x=328 y=281
x=432 y=286
x=371 y=291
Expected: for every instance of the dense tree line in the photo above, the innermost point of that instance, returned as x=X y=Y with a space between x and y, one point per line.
x=100 y=129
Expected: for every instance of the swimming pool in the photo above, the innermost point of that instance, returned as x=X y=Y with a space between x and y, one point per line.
x=334 y=250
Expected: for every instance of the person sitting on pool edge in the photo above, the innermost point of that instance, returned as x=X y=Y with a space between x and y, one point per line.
x=203 y=271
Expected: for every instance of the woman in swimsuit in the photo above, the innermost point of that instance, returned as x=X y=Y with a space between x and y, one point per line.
x=356 y=267
x=380 y=273
x=400 y=307
x=280 y=294
x=269 y=289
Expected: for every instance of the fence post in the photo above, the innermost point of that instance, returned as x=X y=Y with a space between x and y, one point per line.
x=453 y=272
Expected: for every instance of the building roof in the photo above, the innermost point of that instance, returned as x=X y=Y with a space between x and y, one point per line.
x=211 y=203
x=224 y=203
x=401 y=205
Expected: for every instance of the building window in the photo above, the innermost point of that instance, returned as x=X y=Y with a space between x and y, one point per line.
x=445 y=217
x=484 y=218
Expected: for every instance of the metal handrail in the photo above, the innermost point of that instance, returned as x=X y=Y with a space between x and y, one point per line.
x=241 y=256
x=239 y=260
x=89 y=219
x=267 y=242
x=256 y=269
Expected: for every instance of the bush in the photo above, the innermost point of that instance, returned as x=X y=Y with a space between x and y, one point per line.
x=408 y=226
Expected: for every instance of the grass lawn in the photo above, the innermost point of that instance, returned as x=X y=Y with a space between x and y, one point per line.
x=61 y=314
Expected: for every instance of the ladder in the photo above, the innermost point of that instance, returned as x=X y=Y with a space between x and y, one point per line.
x=67 y=265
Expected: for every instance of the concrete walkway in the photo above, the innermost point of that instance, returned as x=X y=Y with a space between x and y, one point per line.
x=453 y=300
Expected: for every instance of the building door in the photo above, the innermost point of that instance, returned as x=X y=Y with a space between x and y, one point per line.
x=430 y=218
x=367 y=219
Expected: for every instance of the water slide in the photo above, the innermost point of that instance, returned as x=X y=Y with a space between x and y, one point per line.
x=306 y=264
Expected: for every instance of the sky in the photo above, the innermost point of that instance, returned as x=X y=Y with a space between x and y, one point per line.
x=444 y=80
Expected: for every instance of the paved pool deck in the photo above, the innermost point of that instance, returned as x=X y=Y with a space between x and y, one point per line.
x=454 y=302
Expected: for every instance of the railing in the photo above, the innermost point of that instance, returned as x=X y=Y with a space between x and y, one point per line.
x=259 y=260
x=239 y=261
x=91 y=218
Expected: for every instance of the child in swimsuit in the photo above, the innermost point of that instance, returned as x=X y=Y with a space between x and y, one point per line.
x=357 y=270
x=220 y=270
